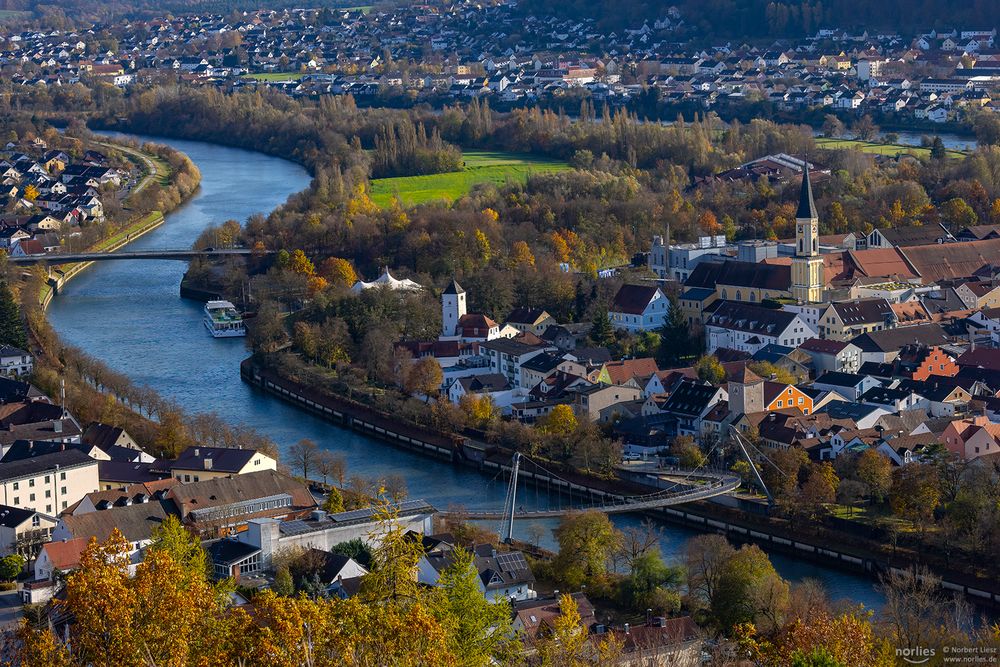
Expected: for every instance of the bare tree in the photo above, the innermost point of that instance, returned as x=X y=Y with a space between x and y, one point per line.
x=916 y=611
x=637 y=541
x=302 y=456
x=395 y=487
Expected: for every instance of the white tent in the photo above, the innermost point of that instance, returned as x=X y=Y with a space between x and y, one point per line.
x=387 y=280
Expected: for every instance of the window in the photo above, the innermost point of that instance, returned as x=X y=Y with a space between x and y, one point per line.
x=47 y=479
x=31 y=498
x=16 y=485
x=62 y=490
x=48 y=493
x=48 y=509
x=62 y=475
x=31 y=482
x=64 y=504
x=17 y=501
x=36 y=521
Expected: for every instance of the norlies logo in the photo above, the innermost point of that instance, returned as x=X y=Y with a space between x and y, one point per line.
x=917 y=655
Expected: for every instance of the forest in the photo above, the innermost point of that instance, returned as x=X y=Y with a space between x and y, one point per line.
x=750 y=19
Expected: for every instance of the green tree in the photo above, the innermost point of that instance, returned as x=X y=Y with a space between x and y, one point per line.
x=479 y=631
x=938 y=151
x=356 y=549
x=710 y=369
x=675 y=337
x=688 y=452
x=602 y=333
x=958 y=212
x=334 y=502
x=749 y=591
x=283 y=584
x=651 y=584
x=11 y=325
x=183 y=546
x=586 y=542
x=11 y=566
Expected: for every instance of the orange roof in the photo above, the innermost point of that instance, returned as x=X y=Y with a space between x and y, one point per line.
x=953 y=260
x=65 y=555
x=622 y=371
x=883 y=263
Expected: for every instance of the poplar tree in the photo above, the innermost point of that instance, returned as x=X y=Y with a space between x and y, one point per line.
x=11 y=324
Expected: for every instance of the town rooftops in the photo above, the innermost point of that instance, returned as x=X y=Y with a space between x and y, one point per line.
x=126 y=472
x=849 y=410
x=690 y=398
x=633 y=299
x=526 y=316
x=65 y=554
x=486 y=382
x=216 y=459
x=980 y=357
x=509 y=346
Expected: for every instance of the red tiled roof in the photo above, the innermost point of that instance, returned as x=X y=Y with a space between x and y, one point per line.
x=65 y=555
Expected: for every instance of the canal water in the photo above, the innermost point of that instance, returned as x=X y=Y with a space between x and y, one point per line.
x=130 y=315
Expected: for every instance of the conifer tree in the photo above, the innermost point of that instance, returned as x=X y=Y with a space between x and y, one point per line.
x=11 y=324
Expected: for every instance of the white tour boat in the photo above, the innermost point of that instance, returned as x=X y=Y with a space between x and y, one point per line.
x=223 y=320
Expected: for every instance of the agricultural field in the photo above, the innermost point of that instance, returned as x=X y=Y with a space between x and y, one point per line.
x=480 y=167
x=880 y=148
x=274 y=76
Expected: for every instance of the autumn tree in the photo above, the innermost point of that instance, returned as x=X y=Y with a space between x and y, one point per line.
x=334 y=502
x=587 y=541
x=424 y=376
x=768 y=370
x=710 y=369
x=338 y=272
x=915 y=494
x=567 y=644
x=875 y=471
x=561 y=421
x=688 y=452
x=480 y=410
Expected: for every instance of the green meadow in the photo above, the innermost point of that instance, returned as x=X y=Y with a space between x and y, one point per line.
x=880 y=148
x=480 y=167
x=274 y=76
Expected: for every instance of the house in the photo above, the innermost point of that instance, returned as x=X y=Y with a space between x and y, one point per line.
x=848 y=319
x=884 y=346
x=973 y=437
x=637 y=308
x=748 y=328
x=48 y=483
x=218 y=505
x=789 y=359
x=690 y=402
x=779 y=396
x=200 y=463
x=536 y=617
x=532 y=320
x=501 y=576
x=832 y=355
x=602 y=403
x=15 y=362
x=506 y=357
x=848 y=385
x=863 y=415
x=489 y=384
x=135 y=522
x=23 y=531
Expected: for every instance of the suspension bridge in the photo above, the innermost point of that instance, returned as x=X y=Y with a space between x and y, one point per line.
x=685 y=486
x=180 y=255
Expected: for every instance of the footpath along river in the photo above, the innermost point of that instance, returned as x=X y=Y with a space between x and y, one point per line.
x=129 y=314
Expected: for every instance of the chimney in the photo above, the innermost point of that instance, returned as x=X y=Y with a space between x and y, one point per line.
x=57 y=425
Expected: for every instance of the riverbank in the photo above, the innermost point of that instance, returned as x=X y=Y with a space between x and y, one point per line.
x=852 y=553
x=158 y=172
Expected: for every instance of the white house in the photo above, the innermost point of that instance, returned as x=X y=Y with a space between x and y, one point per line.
x=639 y=308
x=14 y=362
x=748 y=328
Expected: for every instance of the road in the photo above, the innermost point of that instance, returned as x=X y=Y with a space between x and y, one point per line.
x=152 y=171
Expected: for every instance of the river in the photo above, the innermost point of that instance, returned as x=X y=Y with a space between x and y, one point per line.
x=130 y=315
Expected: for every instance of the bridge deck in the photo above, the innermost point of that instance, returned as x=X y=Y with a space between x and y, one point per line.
x=74 y=258
x=721 y=486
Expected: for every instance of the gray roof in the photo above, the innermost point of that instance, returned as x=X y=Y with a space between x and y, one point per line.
x=71 y=458
x=223 y=459
x=807 y=206
x=136 y=522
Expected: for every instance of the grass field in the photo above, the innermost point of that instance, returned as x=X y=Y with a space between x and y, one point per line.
x=274 y=76
x=480 y=167
x=880 y=149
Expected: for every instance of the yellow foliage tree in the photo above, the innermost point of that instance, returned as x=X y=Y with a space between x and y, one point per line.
x=338 y=272
x=521 y=256
x=560 y=421
x=299 y=263
x=31 y=192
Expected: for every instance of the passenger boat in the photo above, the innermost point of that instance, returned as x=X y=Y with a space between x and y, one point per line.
x=223 y=320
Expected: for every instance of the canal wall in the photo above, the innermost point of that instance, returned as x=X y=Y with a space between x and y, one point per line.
x=59 y=277
x=740 y=524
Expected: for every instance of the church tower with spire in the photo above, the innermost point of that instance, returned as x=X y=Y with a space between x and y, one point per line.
x=807 y=265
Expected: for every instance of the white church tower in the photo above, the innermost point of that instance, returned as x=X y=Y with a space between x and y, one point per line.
x=452 y=308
